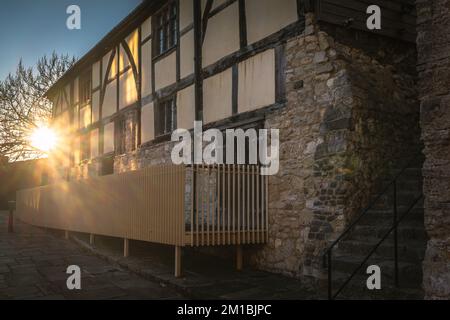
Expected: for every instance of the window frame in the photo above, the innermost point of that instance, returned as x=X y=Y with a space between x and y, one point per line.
x=162 y=125
x=165 y=29
x=85 y=85
x=120 y=135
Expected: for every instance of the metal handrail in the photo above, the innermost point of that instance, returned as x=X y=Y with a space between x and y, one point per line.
x=393 y=228
x=367 y=208
x=328 y=252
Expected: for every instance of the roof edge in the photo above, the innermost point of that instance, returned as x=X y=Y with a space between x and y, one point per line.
x=111 y=39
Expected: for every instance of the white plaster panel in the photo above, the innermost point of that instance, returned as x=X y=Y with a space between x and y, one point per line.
x=186 y=13
x=187 y=54
x=96 y=106
x=109 y=106
x=217 y=97
x=222 y=35
x=257 y=82
x=186 y=108
x=147 y=123
x=146 y=28
x=146 y=69
x=108 y=138
x=96 y=74
x=166 y=71
x=127 y=89
x=94 y=143
x=265 y=17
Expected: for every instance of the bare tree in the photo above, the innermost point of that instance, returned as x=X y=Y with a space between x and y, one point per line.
x=23 y=106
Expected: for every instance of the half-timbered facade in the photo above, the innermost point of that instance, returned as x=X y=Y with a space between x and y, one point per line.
x=342 y=97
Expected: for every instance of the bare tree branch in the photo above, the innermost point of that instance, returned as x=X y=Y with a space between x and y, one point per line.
x=23 y=105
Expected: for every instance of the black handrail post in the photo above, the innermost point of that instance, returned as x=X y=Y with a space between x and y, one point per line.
x=330 y=289
x=395 y=236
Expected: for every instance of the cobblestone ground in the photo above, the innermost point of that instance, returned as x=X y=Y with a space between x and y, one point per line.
x=33 y=265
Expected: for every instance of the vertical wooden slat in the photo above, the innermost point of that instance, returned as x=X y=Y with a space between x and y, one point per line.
x=208 y=204
x=197 y=210
x=267 y=207
x=214 y=191
x=258 y=220
x=193 y=193
x=203 y=205
x=248 y=205
x=229 y=209
x=263 y=218
x=239 y=201
x=253 y=204
x=224 y=169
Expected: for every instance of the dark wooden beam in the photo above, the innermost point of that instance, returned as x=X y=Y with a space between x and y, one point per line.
x=242 y=24
x=198 y=59
x=205 y=18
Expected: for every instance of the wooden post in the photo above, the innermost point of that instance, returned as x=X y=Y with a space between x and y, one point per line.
x=177 y=261
x=126 y=248
x=91 y=239
x=239 y=258
x=12 y=207
x=66 y=235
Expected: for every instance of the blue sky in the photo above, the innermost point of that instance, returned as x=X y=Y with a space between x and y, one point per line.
x=30 y=29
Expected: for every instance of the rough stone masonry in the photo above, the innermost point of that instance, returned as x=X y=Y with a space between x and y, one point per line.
x=433 y=45
x=351 y=116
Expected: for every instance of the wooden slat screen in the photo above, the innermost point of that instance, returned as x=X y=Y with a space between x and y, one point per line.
x=229 y=206
x=145 y=205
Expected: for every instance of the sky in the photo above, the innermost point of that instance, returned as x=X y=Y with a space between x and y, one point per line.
x=30 y=29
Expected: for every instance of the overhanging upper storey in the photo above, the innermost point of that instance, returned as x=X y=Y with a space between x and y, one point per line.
x=398 y=16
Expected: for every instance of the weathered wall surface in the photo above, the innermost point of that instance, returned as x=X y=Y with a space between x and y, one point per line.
x=351 y=115
x=434 y=85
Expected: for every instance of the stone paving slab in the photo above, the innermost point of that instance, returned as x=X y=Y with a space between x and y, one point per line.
x=33 y=265
x=204 y=277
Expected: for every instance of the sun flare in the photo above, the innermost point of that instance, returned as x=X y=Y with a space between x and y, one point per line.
x=43 y=139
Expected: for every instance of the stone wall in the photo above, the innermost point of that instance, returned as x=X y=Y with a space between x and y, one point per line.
x=351 y=116
x=434 y=85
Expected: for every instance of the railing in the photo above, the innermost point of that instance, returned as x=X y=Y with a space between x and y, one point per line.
x=229 y=205
x=145 y=205
x=173 y=205
x=394 y=228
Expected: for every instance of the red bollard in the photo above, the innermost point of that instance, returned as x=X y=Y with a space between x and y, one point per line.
x=12 y=207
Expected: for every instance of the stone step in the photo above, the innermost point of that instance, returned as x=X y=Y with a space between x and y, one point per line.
x=406 y=231
x=384 y=217
x=403 y=200
x=410 y=251
x=410 y=274
x=357 y=289
x=413 y=171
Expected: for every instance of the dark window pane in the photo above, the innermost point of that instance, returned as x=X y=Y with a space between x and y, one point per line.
x=166 y=28
x=165 y=115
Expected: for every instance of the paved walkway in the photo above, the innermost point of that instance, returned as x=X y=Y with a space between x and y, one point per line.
x=204 y=276
x=33 y=265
